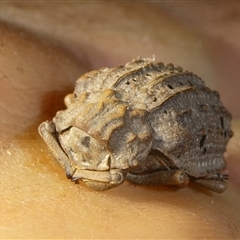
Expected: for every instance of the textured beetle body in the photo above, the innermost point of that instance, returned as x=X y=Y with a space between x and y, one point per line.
x=141 y=120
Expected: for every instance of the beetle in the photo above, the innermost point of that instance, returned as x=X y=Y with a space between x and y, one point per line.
x=145 y=122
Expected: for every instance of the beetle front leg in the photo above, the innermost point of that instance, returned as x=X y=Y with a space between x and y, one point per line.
x=48 y=133
x=163 y=177
x=215 y=182
x=100 y=180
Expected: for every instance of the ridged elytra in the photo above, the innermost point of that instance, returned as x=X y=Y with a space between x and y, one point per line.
x=145 y=122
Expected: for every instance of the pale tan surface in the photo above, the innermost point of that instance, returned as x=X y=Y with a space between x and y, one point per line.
x=37 y=201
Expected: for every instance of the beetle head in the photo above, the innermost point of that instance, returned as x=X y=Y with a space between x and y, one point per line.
x=84 y=150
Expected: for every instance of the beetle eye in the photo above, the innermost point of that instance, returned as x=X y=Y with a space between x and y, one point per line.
x=85 y=141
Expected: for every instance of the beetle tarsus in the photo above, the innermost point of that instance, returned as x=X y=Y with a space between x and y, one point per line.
x=163 y=177
x=218 y=186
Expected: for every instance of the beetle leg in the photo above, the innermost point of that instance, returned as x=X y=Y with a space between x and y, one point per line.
x=100 y=180
x=215 y=182
x=48 y=133
x=163 y=177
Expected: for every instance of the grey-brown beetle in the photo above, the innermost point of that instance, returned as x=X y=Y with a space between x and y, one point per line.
x=146 y=122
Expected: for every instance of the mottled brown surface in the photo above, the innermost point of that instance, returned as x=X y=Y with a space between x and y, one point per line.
x=37 y=201
x=117 y=116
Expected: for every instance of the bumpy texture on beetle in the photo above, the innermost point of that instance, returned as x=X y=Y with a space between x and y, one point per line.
x=146 y=122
